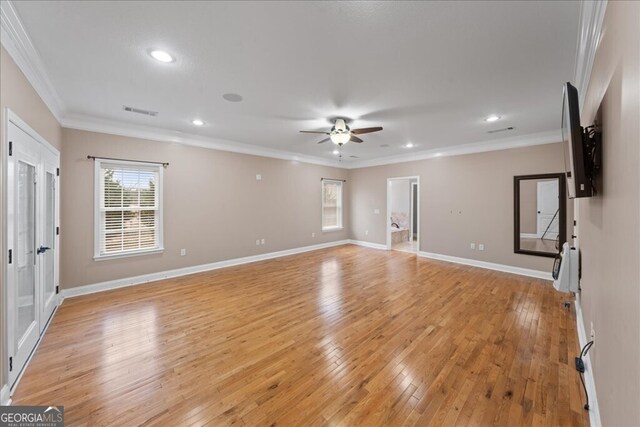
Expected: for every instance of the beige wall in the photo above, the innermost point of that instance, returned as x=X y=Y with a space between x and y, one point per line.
x=213 y=206
x=463 y=199
x=17 y=94
x=609 y=224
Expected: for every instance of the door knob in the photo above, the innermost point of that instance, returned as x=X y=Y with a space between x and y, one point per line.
x=42 y=249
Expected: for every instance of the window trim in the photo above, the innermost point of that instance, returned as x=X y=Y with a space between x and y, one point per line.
x=97 y=255
x=340 y=209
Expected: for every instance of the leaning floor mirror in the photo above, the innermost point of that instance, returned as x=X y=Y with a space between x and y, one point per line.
x=539 y=214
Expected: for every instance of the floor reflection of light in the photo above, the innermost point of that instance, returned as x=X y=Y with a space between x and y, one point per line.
x=330 y=301
x=129 y=338
x=408 y=378
x=330 y=289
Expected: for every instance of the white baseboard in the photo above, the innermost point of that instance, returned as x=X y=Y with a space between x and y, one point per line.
x=152 y=277
x=589 y=380
x=368 y=244
x=5 y=399
x=489 y=265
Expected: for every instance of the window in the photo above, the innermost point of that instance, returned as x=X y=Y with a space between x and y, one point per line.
x=331 y=205
x=128 y=208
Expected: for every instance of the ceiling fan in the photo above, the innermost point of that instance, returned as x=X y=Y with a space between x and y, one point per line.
x=340 y=133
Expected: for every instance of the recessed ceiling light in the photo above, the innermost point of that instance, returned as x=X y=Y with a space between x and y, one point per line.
x=232 y=97
x=336 y=152
x=197 y=122
x=161 y=55
x=492 y=118
x=409 y=145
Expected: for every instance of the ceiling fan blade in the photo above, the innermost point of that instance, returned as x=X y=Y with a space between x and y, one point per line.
x=312 y=131
x=324 y=140
x=366 y=130
x=355 y=139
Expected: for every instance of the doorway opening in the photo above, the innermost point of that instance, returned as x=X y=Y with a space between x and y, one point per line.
x=403 y=213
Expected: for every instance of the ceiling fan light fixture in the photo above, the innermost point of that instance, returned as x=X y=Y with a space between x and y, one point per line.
x=341 y=125
x=340 y=138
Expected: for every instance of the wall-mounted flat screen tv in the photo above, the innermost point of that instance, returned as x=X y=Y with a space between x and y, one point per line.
x=580 y=148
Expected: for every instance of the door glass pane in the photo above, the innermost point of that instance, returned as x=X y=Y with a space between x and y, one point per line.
x=25 y=253
x=49 y=236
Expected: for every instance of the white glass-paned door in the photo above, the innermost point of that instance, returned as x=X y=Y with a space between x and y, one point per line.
x=25 y=256
x=48 y=247
x=32 y=273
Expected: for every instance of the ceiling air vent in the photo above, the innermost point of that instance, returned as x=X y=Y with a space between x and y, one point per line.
x=140 y=111
x=354 y=157
x=501 y=130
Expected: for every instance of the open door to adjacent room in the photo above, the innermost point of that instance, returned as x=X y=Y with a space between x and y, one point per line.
x=402 y=214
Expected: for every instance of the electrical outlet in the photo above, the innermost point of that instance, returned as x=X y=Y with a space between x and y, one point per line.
x=262 y=242
x=183 y=252
x=472 y=245
x=593 y=333
x=258 y=177
x=313 y=234
x=481 y=247
x=258 y=242
x=376 y=211
x=366 y=232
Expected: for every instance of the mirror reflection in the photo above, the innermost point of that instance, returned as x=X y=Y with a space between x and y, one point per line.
x=539 y=214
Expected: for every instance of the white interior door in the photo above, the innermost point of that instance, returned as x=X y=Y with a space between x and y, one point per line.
x=547 y=215
x=31 y=237
x=48 y=250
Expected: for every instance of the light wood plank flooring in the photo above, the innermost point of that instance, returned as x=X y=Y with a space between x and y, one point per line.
x=341 y=336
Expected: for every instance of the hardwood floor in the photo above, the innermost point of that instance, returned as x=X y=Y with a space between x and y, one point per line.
x=341 y=336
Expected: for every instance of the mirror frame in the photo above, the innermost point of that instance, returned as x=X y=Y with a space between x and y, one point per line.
x=562 y=194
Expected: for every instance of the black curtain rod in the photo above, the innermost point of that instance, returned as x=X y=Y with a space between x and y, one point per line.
x=164 y=164
x=333 y=179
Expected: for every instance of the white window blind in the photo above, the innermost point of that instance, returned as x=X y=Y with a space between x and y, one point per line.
x=331 y=204
x=128 y=211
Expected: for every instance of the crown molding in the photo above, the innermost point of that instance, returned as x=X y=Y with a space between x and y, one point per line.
x=590 y=27
x=16 y=41
x=91 y=124
x=474 y=147
x=112 y=127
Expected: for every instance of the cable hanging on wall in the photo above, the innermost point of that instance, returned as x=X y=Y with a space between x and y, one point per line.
x=580 y=368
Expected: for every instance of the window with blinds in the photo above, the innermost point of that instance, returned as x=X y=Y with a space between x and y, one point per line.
x=331 y=204
x=128 y=208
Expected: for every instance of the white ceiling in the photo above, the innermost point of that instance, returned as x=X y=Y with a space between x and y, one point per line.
x=427 y=72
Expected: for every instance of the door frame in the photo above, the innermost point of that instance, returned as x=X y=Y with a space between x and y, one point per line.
x=13 y=118
x=414 y=188
x=388 y=222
